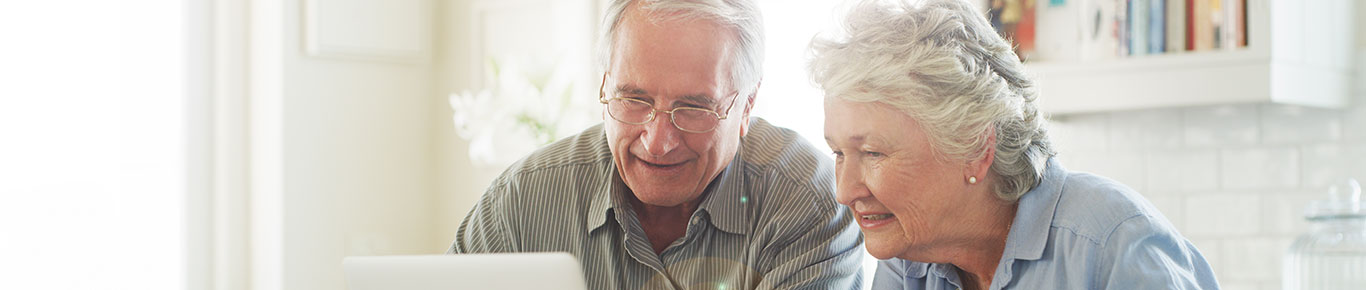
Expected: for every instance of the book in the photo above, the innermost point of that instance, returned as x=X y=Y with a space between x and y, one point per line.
x=1217 y=20
x=1157 y=26
x=1242 y=23
x=1138 y=27
x=1190 y=24
x=1233 y=14
x=1122 y=27
x=1099 y=32
x=1176 y=25
x=1061 y=31
x=1014 y=20
x=1202 y=28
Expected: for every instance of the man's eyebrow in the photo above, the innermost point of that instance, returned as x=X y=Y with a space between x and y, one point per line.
x=699 y=99
x=631 y=90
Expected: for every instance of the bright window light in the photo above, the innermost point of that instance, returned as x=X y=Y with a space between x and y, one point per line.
x=91 y=165
x=788 y=98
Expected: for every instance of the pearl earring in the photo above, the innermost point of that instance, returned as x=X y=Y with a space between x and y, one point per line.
x=972 y=180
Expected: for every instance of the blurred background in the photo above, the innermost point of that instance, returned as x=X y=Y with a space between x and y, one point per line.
x=223 y=144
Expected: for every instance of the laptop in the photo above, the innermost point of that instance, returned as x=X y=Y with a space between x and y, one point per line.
x=549 y=271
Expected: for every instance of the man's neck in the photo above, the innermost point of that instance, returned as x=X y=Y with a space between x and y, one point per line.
x=664 y=225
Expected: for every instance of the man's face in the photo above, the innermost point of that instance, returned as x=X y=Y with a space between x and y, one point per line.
x=672 y=64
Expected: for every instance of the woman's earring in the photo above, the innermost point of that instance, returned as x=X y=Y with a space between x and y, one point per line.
x=972 y=180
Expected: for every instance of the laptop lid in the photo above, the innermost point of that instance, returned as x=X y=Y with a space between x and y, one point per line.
x=549 y=271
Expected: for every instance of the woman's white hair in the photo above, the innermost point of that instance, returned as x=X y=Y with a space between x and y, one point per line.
x=741 y=16
x=942 y=64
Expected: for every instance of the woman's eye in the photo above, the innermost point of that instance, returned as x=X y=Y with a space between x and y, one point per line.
x=873 y=154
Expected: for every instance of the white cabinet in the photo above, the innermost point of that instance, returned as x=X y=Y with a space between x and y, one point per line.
x=1299 y=52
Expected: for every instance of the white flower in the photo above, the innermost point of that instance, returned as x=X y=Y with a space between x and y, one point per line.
x=521 y=110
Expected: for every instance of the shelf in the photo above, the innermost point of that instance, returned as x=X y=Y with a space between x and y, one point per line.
x=1186 y=80
x=1299 y=62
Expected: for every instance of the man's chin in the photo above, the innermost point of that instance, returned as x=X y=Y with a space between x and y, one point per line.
x=663 y=198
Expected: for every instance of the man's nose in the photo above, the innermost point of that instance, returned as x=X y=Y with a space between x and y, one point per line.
x=661 y=137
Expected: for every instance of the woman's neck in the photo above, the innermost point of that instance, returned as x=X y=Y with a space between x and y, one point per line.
x=976 y=245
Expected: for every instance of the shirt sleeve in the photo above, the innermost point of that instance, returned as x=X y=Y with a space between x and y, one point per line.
x=825 y=253
x=1146 y=255
x=485 y=229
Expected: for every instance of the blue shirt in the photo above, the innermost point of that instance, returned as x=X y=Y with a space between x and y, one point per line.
x=1076 y=231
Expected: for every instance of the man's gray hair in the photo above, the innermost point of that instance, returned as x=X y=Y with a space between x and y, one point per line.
x=941 y=63
x=741 y=16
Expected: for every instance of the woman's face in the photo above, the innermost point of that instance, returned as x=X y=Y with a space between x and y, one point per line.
x=904 y=198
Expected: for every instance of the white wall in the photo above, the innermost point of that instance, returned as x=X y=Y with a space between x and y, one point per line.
x=342 y=137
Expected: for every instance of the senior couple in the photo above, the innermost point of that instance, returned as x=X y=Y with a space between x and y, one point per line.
x=941 y=167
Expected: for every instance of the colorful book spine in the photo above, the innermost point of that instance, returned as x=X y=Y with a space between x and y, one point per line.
x=1157 y=26
x=1176 y=25
x=1122 y=26
x=1098 y=29
x=1138 y=27
x=1190 y=24
x=1202 y=27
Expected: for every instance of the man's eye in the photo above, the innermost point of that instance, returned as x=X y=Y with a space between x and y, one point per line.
x=873 y=154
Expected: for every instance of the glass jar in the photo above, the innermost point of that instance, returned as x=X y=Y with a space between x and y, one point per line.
x=1333 y=254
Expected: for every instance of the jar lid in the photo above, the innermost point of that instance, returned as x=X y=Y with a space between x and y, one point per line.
x=1344 y=201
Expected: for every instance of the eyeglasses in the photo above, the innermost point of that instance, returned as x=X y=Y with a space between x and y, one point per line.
x=637 y=112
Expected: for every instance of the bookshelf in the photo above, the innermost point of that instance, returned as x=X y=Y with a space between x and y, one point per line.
x=1298 y=52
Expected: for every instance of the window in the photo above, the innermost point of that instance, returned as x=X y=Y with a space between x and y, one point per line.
x=91 y=162
x=788 y=98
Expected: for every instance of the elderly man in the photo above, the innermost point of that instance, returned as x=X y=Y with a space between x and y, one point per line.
x=680 y=187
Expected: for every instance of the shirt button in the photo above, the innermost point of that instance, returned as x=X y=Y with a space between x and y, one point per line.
x=695 y=219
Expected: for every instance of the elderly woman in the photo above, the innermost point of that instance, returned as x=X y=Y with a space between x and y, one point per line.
x=941 y=152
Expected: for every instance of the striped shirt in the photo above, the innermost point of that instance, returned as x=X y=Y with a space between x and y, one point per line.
x=768 y=221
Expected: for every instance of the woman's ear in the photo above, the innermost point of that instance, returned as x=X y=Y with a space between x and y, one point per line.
x=978 y=168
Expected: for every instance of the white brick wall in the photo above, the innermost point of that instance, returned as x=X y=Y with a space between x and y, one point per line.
x=1232 y=178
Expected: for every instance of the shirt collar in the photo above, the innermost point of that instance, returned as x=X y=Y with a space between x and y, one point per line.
x=724 y=200
x=609 y=191
x=1034 y=216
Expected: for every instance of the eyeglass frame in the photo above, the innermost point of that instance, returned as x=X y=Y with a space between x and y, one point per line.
x=602 y=98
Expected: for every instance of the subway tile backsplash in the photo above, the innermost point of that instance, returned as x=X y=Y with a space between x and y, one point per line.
x=1233 y=178
x=1228 y=125
x=1286 y=124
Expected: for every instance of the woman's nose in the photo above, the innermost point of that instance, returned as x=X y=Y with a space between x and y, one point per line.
x=849 y=183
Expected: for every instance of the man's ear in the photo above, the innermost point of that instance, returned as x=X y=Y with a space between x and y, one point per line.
x=979 y=167
x=749 y=105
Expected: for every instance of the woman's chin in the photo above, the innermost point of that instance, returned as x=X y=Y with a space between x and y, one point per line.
x=882 y=249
